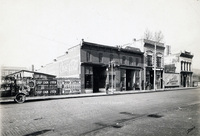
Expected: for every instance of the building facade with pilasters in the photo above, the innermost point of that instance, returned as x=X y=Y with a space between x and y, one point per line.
x=183 y=65
x=153 y=63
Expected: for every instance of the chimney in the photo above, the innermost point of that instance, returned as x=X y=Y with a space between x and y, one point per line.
x=168 y=49
x=33 y=68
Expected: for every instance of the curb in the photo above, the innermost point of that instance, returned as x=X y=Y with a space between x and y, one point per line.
x=44 y=98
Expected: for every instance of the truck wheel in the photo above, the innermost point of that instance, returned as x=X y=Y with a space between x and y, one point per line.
x=20 y=98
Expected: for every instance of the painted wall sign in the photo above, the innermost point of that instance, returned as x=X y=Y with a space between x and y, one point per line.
x=171 y=79
x=69 y=67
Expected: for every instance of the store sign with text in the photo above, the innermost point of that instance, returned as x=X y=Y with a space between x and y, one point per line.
x=46 y=82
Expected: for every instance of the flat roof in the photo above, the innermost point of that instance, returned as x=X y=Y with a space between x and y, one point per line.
x=31 y=72
x=132 y=49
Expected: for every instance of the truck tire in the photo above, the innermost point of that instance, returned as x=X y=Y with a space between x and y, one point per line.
x=20 y=98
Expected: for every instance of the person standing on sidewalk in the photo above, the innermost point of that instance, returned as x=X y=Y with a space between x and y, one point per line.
x=121 y=86
x=107 y=87
x=62 y=90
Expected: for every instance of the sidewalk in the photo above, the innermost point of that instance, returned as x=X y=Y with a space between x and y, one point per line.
x=41 y=98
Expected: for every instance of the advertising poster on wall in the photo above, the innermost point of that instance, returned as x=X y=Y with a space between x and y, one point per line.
x=172 y=79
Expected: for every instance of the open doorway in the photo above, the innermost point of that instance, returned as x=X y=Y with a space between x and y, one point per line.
x=152 y=79
x=99 y=78
x=129 y=79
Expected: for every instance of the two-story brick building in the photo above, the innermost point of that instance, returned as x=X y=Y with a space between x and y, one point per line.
x=96 y=67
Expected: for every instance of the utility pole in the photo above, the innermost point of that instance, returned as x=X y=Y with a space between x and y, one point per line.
x=155 y=67
x=112 y=71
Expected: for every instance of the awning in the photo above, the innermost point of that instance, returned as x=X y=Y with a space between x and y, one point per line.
x=130 y=67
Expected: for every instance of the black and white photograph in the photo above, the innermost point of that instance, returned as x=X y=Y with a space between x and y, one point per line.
x=99 y=67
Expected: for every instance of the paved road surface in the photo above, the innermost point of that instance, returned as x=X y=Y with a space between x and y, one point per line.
x=160 y=113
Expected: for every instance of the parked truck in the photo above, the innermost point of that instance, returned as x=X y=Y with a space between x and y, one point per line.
x=16 y=89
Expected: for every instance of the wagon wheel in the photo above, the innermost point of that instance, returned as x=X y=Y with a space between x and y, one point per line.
x=20 y=98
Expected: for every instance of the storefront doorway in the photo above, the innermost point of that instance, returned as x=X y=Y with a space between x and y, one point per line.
x=99 y=78
x=149 y=79
x=129 y=79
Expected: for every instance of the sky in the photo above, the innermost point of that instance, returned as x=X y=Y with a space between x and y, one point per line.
x=34 y=32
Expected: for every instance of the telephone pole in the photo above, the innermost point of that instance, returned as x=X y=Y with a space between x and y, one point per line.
x=154 y=67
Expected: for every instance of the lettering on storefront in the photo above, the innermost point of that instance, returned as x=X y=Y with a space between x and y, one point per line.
x=53 y=82
x=38 y=82
x=45 y=82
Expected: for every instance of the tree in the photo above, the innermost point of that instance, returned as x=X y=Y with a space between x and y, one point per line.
x=148 y=35
x=158 y=36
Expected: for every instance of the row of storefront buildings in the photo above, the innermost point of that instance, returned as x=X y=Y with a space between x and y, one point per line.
x=90 y=67
x=141 y=65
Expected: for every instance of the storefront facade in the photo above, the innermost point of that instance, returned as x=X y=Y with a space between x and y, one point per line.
x=186 y=69
x=182 y=63
x=153 y=65
x=119 y=67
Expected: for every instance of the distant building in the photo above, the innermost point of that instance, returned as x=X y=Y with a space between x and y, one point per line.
x=6 y=70
x=180 y=63
x=30 y=75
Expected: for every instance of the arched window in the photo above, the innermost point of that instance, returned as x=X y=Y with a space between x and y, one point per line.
x=130 y=61
x=88 y=56
x=158 y=61
x=111 y=57
x=137 y=61
x=123 y=60
x=149 y=60
x=100 y=57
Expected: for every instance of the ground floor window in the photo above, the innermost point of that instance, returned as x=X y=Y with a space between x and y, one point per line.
x=88 y=81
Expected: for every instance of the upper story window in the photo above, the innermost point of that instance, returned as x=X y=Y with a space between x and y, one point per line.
x=111 y=57
x=88 y=56
x=187 y=67
x=181 y=65
x=158 y=61
x=137 y=61
x=190 y=67
x=149 y=60
x=130 y=61
x=100 y=57
x=184 y=66
x=123 y=60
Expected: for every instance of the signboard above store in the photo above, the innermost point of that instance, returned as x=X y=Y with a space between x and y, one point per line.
x=46 y=82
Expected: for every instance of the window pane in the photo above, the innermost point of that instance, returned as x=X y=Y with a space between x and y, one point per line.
x=111 y=57
x=123 y=59
x=88 y=56
x=137 y=61
x=130 y=61
x=158 y=61
x=149 y=60
x=100 y=57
